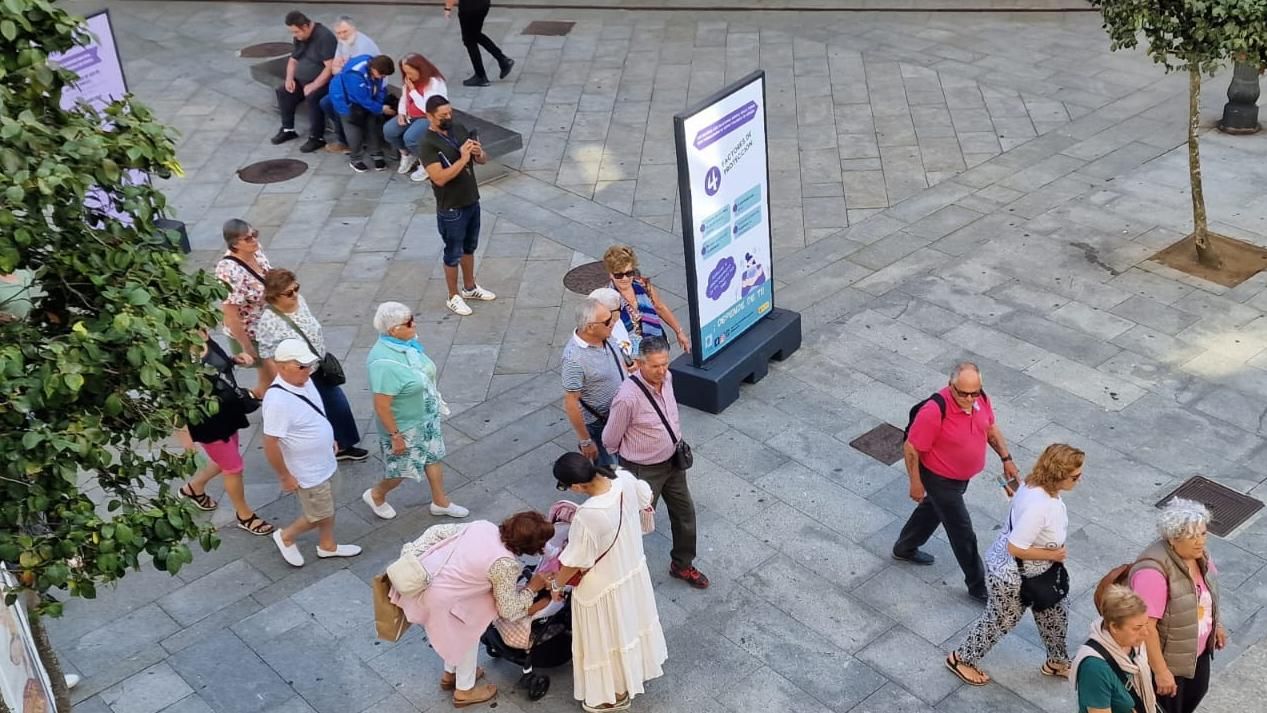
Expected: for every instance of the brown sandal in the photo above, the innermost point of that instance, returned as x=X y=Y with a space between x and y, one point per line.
x=957 y=667
x=255 y=525
x=1057 y=670
x=202 y=501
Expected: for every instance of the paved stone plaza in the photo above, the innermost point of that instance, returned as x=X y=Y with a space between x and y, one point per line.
x=946 y=186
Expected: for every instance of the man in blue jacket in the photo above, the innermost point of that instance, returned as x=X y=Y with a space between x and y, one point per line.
x=358 y=95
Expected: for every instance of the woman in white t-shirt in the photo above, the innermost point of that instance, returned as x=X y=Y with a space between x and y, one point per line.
x=420 y=81
x=1032 y=543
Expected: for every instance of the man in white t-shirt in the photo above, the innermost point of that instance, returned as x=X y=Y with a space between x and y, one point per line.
x=299 y=443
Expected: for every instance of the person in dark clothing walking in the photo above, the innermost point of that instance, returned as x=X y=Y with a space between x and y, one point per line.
x=471 y=14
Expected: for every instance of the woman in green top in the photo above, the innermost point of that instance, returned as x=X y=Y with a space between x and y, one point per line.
x=17 y=295
x=1112 y=672
x=407 y=411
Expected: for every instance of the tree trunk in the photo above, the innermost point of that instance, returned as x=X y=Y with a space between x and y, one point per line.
x=56 y=677
x=1206 y=254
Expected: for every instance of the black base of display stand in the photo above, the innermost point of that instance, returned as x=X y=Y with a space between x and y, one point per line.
x=715 y=385
x=169 y=224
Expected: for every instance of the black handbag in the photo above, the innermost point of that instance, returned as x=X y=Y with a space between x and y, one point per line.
x=329 y=370
x=1043 y=591
x=682 y=458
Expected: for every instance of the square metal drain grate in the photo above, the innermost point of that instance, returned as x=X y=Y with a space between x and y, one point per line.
x=548 y=28
x=884 y=443
x=1228 y=508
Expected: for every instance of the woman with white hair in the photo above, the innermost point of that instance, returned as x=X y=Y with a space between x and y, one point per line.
x=407 y=411
x=610 y=299
x=1178 y=583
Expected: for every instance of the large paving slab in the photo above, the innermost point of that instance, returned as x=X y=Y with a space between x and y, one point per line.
x=947 y=186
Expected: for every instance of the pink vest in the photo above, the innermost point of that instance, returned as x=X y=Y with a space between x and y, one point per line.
x=458 y=606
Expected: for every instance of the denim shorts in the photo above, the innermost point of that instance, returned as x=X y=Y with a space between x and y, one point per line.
x=460 y=230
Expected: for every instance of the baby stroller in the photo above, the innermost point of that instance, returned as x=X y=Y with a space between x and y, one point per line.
x=546 y=642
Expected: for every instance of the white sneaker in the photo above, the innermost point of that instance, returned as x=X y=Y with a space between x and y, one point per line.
x=420 y=175
x=72 y=680
x=290 y=553
x=384 y=511
x=477 y=293
x=339 y=551
x=458 y=305
x=453 y=510
x=407 y=164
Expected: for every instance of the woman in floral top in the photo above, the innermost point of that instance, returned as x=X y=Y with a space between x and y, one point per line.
x=287 y=317
x=243 y=268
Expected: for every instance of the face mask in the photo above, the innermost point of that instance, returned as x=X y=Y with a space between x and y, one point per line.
x=446 y=124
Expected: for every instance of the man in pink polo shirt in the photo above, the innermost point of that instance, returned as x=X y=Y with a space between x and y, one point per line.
x=942 y=453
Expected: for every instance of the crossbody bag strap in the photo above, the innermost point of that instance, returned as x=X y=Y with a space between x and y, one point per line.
x=656 y=406
x=1117 y=671
x=619 y=524
x=620 y=367
x=246 y=267
x=305 y=399
x=293 y=326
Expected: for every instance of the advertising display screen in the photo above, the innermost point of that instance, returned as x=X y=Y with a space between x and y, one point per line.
x=24 y=684
x=724 y=185
x=97 y=63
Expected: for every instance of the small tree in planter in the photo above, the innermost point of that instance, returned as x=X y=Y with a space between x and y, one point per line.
x=104 y=365
x=1196 y=36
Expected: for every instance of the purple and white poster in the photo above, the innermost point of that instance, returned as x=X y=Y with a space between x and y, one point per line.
x=97 y=63
x=726 y=228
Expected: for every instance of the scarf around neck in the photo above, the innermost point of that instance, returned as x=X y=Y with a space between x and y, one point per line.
x=410 y=344
x=1139 y=674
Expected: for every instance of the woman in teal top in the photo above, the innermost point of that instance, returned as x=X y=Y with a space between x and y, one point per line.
x=407 y=411
x=17 y=295
x=1116 y=642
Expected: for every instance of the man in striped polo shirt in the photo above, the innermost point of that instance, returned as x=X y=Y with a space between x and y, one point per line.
x=592 y=371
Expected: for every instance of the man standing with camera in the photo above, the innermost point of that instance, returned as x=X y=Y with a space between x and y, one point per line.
x=448 y=153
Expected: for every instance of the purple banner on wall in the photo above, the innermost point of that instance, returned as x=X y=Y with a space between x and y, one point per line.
x=97 y=63
x=713 y=132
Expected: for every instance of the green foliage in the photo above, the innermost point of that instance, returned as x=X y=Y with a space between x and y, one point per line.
x=104 y=366
x=1186 y=34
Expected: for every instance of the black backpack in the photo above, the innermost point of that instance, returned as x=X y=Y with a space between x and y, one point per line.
x=941 y=406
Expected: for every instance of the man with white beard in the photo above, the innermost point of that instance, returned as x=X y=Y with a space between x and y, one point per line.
x=352 y=43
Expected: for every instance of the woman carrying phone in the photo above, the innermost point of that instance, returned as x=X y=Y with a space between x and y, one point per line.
x=1032 y=542
x=641 y=310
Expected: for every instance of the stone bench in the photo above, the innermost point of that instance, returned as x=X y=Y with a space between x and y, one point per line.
x=496 y=140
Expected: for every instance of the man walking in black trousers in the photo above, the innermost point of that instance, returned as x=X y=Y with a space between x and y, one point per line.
x=471 y=14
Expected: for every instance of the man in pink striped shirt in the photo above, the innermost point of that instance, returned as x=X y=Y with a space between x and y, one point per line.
x=636 y=433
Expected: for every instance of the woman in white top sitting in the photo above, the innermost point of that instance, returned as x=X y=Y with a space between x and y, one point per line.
x=419 y=80
x=1032 y=543
x=617 y=642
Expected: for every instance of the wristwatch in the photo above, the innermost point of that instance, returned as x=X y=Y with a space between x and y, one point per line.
x=585 y=443
x=1005 y=458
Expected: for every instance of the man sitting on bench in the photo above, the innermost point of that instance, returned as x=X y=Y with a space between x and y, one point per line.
x=307 y=78
x=358 y=95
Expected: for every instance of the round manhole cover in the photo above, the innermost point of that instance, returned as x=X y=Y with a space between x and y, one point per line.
x=584 y=279
x=266 y=49
x=274 y=170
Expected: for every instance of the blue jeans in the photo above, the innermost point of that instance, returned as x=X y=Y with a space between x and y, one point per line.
x=460 y=231
x=405 y=138
x=339 y=412
x=596 y=435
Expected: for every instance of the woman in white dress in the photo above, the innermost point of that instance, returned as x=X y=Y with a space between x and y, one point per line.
x=617 y=642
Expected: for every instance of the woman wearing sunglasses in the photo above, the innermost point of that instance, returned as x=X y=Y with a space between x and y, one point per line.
x=1031 y=543
x=407 y=411
x=287 y=317
x=641 y=310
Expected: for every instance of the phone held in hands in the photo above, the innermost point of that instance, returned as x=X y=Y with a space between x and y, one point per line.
x=473 y=135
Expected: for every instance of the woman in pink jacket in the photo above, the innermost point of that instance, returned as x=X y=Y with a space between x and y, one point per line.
x=474 y=571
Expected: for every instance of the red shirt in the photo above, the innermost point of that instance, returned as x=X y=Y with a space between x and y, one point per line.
x=952 y=447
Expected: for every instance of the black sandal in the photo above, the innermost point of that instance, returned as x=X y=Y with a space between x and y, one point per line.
x=255 y=525
x=956 y=667
x=202 y=501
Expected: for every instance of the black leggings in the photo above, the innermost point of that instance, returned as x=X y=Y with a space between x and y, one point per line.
x=1190 y=690
x=471 y=20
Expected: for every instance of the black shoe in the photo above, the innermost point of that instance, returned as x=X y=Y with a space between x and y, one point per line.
x=283 y=136
x=506 y=66
x=352 y=453
x=916 y=557
x=358 y=166
x=982 y=597
x=379 y=163
x=312 y=144
x=476 y=81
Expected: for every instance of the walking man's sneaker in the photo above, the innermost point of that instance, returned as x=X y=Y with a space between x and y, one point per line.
x=458 y=306
x=283 y=136
x=476 y=81
x=352 y=453
x=690 y=575
x=477 y=293
x=506 y=66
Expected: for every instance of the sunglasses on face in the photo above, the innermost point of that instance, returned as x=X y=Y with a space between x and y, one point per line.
x=607 y=322
x=967 y=394
x=251 y=237
x=304 y=367
x=624 y=275
x=294 y=290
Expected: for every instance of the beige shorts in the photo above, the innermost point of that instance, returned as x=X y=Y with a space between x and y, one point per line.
x=317 y=502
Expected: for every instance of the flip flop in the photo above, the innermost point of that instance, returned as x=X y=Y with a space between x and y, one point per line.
x=955 y=665
x=1061 y=671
